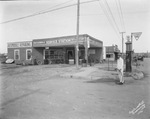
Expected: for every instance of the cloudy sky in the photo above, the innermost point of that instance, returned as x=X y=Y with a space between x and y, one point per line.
x=102 y=19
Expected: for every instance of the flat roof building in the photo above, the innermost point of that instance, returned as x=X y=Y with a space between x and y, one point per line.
x=56 y=50
x=111 y=52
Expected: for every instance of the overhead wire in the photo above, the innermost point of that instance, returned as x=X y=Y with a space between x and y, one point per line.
x=47 y=11
x=54 y=6
x=37 y=13
x=111 y=14
x=108 y=17
x=119 y=14
x=122 y=16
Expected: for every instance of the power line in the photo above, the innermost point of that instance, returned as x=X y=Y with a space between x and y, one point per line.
x=108 y=18
x=111 y=15
x=54 y=6
x=39 y=13
x=122 y=16
x=107 y=15
x=119 y=14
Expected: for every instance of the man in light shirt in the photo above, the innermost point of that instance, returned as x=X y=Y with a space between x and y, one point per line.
x=120 y=64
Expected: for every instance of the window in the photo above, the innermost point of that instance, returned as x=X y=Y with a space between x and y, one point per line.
x=17 y=54
x=53 y=54
x=28 y=54
x=109 y=55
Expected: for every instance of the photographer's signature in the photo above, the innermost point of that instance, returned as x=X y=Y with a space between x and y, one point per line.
x=139 y=109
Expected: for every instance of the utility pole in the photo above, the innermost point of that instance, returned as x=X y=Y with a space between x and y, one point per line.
x=77 y=42
x=122 y=42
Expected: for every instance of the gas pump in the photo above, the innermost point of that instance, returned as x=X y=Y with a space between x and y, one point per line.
x=128 y=56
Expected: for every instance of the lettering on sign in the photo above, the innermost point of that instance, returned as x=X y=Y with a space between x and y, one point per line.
x=56 y=42
x=39 y=42
x=19 y=44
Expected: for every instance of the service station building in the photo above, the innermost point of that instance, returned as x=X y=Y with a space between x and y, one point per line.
x=56 y=50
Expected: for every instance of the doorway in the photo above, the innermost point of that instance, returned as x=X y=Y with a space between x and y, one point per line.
x=70 y=56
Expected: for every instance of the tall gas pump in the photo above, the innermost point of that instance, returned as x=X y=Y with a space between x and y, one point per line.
x=128 y=56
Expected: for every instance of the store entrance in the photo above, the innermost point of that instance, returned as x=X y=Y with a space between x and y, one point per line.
x=70 y=56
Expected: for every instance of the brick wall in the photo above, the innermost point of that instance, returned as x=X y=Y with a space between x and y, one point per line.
x=22 y=55
x=38 y=53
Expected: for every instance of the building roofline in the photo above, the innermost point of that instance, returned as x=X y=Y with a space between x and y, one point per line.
x=86 y=35
x=19 y=42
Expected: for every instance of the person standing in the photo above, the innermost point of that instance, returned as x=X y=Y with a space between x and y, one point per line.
x=120 y=67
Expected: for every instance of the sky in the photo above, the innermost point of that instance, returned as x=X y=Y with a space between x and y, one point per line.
x=101 y=19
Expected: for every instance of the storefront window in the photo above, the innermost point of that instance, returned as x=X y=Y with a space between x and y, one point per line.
x=28 y=54
x=16 y=54
x=54 y=54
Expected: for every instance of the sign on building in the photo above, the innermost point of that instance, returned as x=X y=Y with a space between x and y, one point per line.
x=19 y=44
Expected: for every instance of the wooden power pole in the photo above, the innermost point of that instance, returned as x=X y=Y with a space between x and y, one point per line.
x=77 y=39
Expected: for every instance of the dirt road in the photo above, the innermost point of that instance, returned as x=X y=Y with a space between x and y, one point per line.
x=38 y=92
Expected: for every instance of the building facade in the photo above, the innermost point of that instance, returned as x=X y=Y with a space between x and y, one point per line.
x=21 y=52
x=111 y=52
x=56 y=50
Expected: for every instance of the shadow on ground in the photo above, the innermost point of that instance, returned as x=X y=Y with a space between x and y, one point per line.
x=107 y=69
x=103 y=80
x=18 y=98
x=110 y=81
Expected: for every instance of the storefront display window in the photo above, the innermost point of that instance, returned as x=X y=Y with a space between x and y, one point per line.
x=54 y=55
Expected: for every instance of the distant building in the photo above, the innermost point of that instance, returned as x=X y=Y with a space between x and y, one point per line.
x=111 y=52
x=146 y=54
x=56 y=50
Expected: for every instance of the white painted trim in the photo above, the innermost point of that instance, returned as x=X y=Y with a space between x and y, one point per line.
x=18 y=54
x=44 y=54
x=27 y=54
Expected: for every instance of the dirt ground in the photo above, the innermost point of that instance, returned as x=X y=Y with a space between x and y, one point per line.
x=39 y=92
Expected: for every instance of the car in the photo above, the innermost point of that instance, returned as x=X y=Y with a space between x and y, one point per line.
x=140 y=58
x=9 y=61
